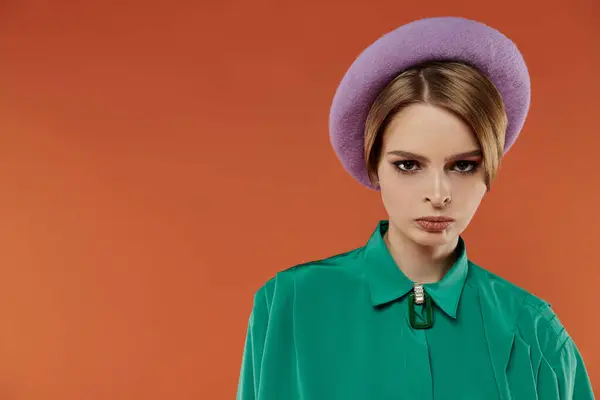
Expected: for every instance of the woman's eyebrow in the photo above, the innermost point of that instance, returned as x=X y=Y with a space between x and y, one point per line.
x=419 y=157
x=467 y=154
x=408 y=154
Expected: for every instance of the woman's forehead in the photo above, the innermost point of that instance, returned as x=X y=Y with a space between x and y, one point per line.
x=425 y=130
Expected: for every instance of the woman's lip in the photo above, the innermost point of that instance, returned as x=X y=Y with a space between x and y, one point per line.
x=433 y=226
x=436 y=219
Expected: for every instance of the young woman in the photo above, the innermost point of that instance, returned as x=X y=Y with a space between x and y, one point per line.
x=424 y=116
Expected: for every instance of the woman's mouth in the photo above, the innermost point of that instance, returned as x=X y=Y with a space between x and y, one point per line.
x=434 y=224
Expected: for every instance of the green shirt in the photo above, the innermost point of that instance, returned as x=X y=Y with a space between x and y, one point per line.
x=340 y=328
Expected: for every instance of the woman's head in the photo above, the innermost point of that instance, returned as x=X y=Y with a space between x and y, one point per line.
x=434 y=139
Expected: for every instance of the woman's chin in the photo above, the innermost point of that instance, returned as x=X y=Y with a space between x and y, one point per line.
x=433 y=238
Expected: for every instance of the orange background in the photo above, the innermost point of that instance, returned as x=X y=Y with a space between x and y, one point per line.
x=161 y=160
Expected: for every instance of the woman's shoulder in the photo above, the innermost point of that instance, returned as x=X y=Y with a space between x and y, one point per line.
x=338 y=270
x=531 y=316
x=505 y=290
x=528 y=327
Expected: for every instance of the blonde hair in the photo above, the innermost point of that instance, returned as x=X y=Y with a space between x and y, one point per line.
x=453 y=86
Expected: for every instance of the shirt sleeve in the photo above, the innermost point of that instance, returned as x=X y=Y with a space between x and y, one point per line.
x=564 y=375
x=249 y=377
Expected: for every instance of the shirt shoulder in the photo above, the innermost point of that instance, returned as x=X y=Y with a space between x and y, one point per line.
x=531 y=316
x=506 y=292
x=338 y=270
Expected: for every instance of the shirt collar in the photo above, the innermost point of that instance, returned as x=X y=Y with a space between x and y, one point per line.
x=387 y=282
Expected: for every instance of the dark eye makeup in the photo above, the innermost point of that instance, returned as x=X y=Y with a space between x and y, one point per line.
x=465 y=167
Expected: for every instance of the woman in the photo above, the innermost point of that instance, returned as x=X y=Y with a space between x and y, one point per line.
x=424 y=115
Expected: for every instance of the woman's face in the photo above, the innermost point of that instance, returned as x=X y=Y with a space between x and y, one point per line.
x=431 y=166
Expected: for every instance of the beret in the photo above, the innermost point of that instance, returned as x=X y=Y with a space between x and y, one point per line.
x=430 y=39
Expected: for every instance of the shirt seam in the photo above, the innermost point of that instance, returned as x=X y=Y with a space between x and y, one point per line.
x=551 y=356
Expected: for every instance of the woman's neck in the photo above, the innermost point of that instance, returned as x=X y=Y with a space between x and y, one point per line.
x=422 y=264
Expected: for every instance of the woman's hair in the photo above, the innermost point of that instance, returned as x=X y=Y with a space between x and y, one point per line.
x=453 y=86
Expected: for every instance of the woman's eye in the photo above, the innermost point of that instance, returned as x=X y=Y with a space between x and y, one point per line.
x=408 y=165
x=465 y=166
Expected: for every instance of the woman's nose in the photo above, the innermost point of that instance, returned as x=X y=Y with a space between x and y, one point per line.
x=438 y=191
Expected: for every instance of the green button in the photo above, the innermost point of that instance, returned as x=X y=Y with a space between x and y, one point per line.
x=412 y=316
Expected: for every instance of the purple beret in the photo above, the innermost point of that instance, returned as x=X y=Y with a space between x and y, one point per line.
x=430 y=39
